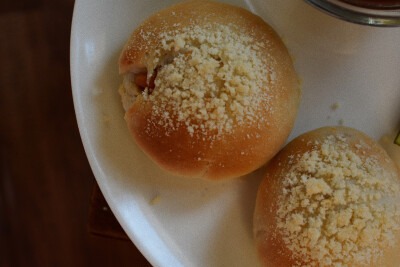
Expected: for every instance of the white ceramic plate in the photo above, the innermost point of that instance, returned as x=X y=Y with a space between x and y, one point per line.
x=199 y=223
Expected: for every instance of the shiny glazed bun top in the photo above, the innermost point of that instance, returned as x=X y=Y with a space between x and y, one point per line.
x=209 y=90
x=331 y=197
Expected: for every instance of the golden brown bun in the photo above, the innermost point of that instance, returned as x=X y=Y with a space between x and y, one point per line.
x=138 y=53
x=272 y=248
x=211 y=155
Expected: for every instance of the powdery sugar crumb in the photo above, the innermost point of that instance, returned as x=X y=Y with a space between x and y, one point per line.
x=214 y=79
x=338 y=209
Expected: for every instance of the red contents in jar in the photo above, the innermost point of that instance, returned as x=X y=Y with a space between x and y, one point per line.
x=375 y=4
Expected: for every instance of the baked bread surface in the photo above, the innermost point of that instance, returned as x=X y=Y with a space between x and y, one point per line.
x=331 y=197
x=226 y=93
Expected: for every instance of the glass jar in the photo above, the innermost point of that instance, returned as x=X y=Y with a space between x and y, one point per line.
x=384 y=13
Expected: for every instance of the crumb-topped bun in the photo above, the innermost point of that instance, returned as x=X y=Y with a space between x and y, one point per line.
x=331 y=197
x=209 y=90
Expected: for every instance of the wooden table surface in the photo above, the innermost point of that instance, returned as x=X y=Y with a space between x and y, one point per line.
x=46 y=182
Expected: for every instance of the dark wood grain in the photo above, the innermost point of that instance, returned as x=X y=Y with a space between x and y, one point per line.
x=46 y=182
x=101 y=219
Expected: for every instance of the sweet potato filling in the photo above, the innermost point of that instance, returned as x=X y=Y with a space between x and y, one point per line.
x=141 y=81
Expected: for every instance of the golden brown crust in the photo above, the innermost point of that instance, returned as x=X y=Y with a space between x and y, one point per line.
x=248 y=146
x=272 y=250
x=139 y=50
x=191 y=156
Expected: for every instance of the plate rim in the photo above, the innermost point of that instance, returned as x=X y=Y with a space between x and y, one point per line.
x=138 y=242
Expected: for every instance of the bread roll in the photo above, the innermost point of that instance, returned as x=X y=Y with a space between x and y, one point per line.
x=209 y=90
x=331 y=197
